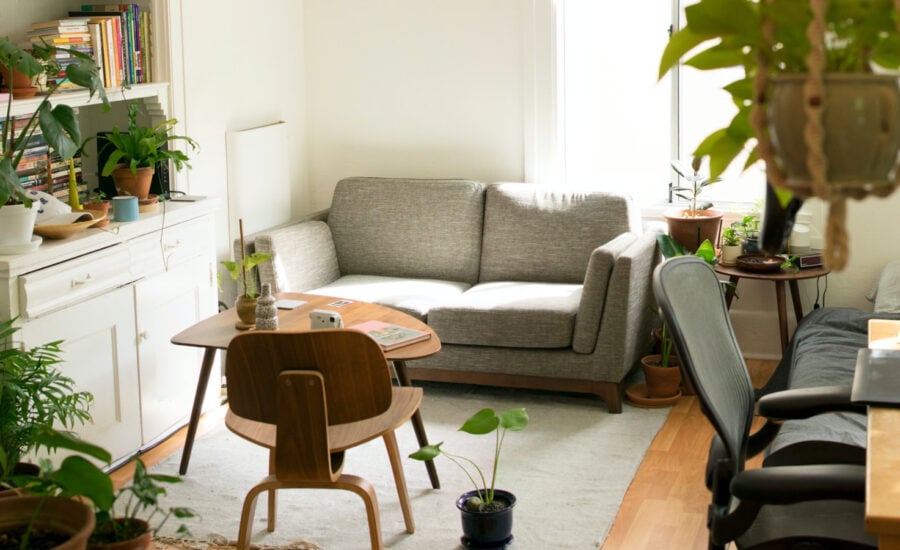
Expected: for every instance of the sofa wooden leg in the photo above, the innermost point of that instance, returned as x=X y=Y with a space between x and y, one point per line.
x=611 y=394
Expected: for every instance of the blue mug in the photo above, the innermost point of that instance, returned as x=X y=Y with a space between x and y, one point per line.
x=125 y=208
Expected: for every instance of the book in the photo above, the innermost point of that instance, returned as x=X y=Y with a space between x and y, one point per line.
x=60 y=23
x=877 y=377
x=63 y=30
x=391 y=336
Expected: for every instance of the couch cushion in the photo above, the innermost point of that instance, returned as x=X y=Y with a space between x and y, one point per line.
x=509 y=314
x=303 y=257
x=539 y=233
x=425 y=229
x=412 y=296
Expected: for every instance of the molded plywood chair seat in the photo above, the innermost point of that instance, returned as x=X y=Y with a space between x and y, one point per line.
x=308 y=397
x=775 y=507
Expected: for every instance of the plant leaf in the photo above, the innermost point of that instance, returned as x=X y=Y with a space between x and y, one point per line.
x=483 y=422
x=427 y=452
x=679 y=44
x=54 y=439
x=77 y=476
x=514 y=420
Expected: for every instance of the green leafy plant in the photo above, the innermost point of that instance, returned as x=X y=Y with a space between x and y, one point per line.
x=670 y=248
x=483 y=422
x=139 y=506
x=59 y=124
x=34 y=396
x=730 y=236
x=240 y=270
x=860 y=34
x=144 y=146
x=697 y=183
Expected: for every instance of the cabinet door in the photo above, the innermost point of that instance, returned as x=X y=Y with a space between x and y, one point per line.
x=167 y=304
x=100 y=354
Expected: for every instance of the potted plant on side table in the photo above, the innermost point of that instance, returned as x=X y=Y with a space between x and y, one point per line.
x=58 y=125
x=699 y=221
x=133 y=155
x=242 y=272
x=486 y=512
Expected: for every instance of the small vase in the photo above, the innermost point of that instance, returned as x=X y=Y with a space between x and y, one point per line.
x=246 y=312
x=266 y=312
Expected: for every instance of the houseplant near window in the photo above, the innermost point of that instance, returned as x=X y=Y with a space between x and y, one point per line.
x=809 y=68
x=699 y=221
x=134 y=154
x=486 y=512
x=731 y=245
x=241 y=271
x=59 y=126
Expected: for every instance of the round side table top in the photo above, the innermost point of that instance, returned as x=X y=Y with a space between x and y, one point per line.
x=781 y=275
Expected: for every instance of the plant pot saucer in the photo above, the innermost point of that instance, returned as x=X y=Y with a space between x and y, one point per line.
x=469 y=543
x=637 y=394
x=243 y=326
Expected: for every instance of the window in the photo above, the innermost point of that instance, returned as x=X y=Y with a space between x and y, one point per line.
x=618 y=127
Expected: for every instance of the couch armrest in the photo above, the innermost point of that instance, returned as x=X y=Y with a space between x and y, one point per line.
x=628 y=312
x=303 y=257
x=593 y=293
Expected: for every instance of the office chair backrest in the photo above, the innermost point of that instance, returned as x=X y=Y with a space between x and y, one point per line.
x=693 y=305
x=354 y=371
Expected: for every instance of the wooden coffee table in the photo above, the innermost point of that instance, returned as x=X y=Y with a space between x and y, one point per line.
x=216 y=332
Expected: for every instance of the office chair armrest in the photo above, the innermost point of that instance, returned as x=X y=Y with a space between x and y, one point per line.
x=807 y=402
x=792 y=484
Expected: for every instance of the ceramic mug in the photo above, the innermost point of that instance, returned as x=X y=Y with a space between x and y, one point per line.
x=125 y=208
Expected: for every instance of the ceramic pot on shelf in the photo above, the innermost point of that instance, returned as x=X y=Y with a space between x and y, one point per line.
x=99 y=206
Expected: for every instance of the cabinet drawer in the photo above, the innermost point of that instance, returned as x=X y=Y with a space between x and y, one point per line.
x=178 y=243
x=58 y=286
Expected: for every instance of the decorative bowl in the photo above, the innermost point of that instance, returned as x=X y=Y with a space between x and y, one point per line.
x=759 y=263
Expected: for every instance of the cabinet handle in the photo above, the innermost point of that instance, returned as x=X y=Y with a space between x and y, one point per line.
x=142 y=336
x=78 y=282
x=168 y=246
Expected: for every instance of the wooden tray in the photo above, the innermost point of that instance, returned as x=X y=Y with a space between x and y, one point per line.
x=63 y=230
x=759 y=263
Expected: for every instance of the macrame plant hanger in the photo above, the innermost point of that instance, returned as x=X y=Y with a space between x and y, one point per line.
x=834 y=193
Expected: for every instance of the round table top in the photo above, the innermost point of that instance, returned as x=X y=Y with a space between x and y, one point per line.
x=780 y=275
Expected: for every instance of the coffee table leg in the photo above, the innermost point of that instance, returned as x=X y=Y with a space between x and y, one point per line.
x=209 y=356
x=418 y=425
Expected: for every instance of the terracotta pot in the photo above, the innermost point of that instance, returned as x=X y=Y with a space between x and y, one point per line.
x=491 y=529
x=64 y=515
x=861 y=120
x=246 y=311
x=691 y=231
x=140 y=542
x=102 y=206
x=19 y=79
x=135 y=185
x=661 y=381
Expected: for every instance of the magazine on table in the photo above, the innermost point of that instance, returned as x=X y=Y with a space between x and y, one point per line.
x=391 y=336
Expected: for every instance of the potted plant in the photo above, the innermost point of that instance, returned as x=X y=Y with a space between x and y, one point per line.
x=747 y=229
x=731 y=245
x=134 y=154
x=699 y=221
x=839 y=138
x=661 y=372
x=131 y=526
x=486 y=511
x=59 y=127
x=245 y=305
x=97 y=202
x=34 y=397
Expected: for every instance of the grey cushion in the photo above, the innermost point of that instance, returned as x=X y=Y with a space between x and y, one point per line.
x=509 y=314
x=303 y=257
x=426 y=229
x=412 y=296
x=541 y=233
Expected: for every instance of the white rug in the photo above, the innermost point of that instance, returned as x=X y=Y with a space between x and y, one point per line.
x=569 y=469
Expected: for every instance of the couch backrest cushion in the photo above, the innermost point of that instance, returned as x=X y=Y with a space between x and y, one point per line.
x=408 y=227
x=303 y=257
x=546 y=234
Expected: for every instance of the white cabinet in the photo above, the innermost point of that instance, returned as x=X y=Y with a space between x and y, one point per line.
x=115 y=298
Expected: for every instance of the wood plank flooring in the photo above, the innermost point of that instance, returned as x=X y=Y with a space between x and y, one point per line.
x=665 y=506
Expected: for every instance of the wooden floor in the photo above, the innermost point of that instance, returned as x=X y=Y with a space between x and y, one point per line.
x=665 y=506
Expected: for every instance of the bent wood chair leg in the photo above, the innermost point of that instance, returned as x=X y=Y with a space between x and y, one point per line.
x=345 y=482
x=390 y=441
x=271 y=501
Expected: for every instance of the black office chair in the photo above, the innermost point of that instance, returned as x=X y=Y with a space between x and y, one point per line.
x=794 y=506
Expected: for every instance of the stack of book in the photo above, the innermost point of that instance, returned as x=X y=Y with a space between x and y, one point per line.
x=69 y=34
x=32 y=168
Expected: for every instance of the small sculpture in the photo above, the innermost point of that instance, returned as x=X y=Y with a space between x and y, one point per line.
x=266 y=312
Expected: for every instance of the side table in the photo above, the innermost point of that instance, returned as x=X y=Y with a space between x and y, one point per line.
x=735 y=274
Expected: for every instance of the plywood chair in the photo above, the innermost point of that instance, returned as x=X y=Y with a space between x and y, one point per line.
x=308 y=397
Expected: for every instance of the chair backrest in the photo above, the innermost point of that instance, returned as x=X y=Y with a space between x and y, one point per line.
x=354 y=371
x=693 y=305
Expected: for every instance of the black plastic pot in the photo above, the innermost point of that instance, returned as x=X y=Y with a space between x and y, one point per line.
x=487 y=529
x=777 y=222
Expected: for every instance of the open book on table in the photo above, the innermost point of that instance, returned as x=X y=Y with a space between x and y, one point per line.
x=391 y=336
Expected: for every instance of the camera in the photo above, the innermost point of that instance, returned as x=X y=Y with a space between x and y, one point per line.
x=323 y=318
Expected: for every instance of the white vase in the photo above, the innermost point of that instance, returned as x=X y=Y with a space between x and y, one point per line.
x=16 y=224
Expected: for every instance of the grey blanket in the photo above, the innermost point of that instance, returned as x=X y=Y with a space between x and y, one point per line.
x=822 y=352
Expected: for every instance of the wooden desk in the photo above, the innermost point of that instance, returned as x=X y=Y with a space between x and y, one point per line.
x=735 y=274
x=216 y=332
x=883 y=453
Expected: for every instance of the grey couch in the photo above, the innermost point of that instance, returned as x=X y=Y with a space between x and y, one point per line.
x=526 y=285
